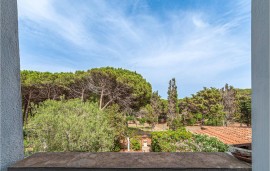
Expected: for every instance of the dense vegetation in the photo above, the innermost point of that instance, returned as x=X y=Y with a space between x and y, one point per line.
x=212 y=106
x=90 y=111
x=74 y=126
x=183 y=141
x=135 y=143
x=107 y=86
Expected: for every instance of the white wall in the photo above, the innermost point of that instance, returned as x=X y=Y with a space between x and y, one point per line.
x=11 y=139
x=260 y=85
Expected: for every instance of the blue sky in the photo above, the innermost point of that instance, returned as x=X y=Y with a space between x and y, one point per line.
x=202 y=43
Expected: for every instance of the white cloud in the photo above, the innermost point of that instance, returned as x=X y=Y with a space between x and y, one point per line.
x=198 y=22
x=188 y=45
x=46 y=16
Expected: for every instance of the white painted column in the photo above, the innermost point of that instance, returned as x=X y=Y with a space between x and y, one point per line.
x=128 y=144
x=260 y=86
x=11 y=137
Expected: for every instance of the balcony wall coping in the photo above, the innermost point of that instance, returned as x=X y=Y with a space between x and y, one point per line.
x=68 y=161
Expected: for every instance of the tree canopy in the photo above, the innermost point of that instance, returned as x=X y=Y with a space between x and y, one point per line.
x=107 y=85
x=132 y=93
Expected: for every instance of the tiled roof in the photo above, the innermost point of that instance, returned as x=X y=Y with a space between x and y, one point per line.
x=228 y=135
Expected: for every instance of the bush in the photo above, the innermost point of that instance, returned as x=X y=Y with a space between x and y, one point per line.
x=117 y=146
x=117 y=121
x=166 y=141
x=213 y=122
x=70 y=126
x=142 y=121
x=135 y=144
x=176 y=124
x=199 y=116
x=192 y=121
x=131 y=118
x=209 y=144
x=183 y=141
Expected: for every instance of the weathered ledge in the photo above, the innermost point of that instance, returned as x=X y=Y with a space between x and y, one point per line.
x=130 y=161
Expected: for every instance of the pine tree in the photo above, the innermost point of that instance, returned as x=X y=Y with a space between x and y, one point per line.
x=208 y=103
x=172 y=102
x=229 y=102
x=153 y=110
x=156 y=103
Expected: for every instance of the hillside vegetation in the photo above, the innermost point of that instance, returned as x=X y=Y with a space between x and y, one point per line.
x=90 y=111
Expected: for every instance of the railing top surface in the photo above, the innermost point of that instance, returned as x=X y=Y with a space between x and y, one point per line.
x=131 y=160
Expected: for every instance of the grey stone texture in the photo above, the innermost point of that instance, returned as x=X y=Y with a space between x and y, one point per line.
x=11 y=138
x=260 y=85
x=130 y=161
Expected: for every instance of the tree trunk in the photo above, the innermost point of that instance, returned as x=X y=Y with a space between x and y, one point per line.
x=49 y=93
x=106 y=104
x=152 y=127
x=27 y=107
x=100 y=100
x=226 y=121
x=202 y=121
x=82 y=97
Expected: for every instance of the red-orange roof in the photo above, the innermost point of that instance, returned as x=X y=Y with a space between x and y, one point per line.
x=228 y=135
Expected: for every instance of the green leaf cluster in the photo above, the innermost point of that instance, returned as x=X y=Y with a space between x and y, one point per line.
x=166 y=141
x=40 y=86
x=205 y=143
x=184 y=141
x=141 y=89
x=71 y=126
x=204 y=107
x=217 y=107
x=135 y=143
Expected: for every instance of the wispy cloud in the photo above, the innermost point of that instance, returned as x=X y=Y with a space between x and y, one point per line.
x=198 y=47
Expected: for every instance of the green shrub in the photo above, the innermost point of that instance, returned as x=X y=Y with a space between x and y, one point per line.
x=192 y=121
x=135 y=144
x=142 y=121
x=117 y=146
x=117 y=121
x=130 y=118
x=213 y=122
x=183 y=141
x=209 y=144
x=176 y=124
x=70 y=126
x=199 y=116
x=166 y=141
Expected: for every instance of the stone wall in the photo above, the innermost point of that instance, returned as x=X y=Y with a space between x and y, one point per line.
x=11 y=137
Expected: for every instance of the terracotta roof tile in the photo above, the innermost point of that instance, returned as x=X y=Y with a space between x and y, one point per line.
x=228 y=135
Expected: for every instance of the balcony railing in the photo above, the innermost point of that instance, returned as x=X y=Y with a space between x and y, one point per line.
x=70 y=161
